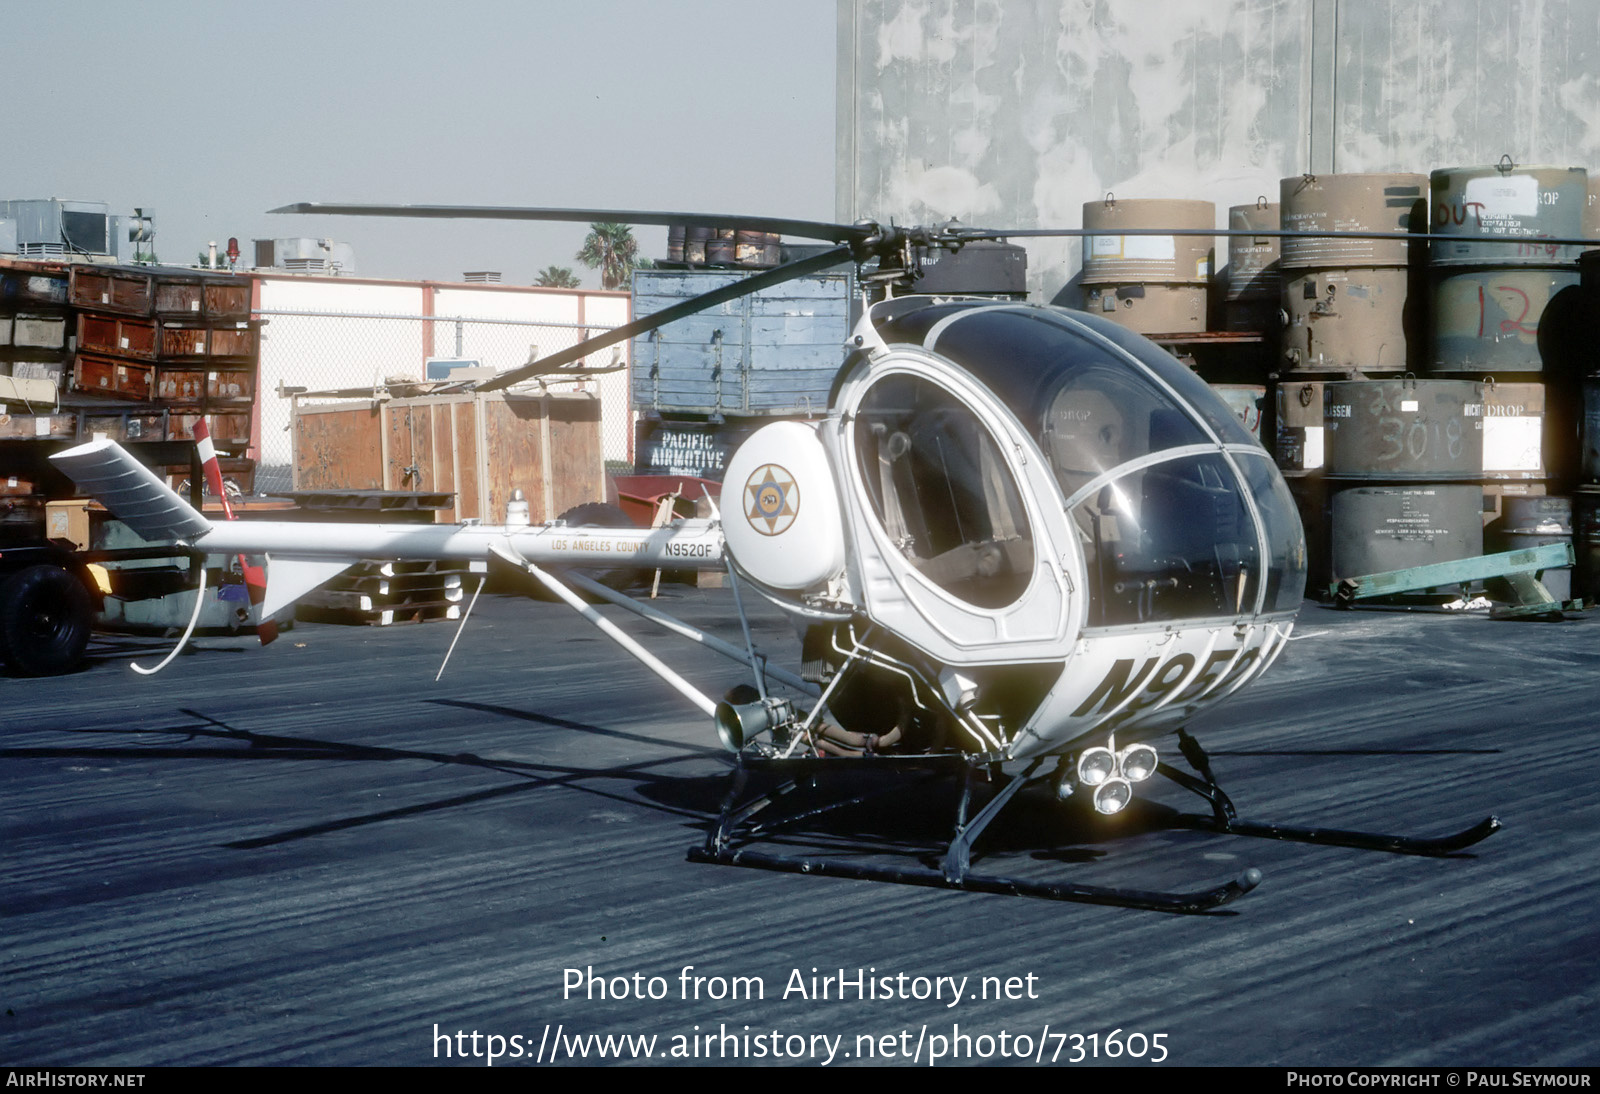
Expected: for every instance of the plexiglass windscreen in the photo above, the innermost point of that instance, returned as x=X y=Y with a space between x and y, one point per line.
x=942 y=491
x=1164 y=539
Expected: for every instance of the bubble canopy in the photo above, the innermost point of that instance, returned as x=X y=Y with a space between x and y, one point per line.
x=1179 y=511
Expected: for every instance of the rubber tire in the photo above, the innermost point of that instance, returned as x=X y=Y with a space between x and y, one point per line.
x=45 y=618
x=594 y=514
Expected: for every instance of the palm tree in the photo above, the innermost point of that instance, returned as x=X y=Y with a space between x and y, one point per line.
x=557 y=277
x=613 y=251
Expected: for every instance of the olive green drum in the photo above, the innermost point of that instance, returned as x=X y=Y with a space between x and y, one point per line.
x=1148 y=283
x=1347 y=301
x=1490 y=296
x=1395 y=527
x=1426 y=430
x=1255 y=281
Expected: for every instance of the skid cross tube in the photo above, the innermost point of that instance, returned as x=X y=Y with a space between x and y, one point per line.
x=722 y=846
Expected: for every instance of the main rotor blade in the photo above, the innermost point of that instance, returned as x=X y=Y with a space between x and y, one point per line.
x=755 y=283
x=805 y=229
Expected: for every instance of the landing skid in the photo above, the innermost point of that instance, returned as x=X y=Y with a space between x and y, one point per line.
x=744 y=818
x=1224 y=818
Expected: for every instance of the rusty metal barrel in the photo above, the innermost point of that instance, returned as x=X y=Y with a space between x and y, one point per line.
x=722 y=247
x=1148 y=283
x=1407 y=429
x=1348 y=301
x=756 y=249
x=674 y=243
x=1488 y=297
x=695 y=238
x=1255 y=281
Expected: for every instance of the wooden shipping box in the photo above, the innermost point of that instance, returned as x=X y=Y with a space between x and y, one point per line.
x=478 y=446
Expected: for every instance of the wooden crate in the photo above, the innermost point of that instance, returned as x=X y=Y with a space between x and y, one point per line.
x=27 y=286
x=230 y=385
x=112 y=289
x=131 y=426
x=478 y=446
x=45 y=332
x=35 y=426
x=108 y=376
x=209 y=298
x=229 y=430
x=180 y=341
x=180 y=385
x=117 y=335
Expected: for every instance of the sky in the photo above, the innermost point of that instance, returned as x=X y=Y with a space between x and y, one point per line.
x=209 y=114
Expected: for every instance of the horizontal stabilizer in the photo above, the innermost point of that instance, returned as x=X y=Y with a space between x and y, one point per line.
x=133 y=493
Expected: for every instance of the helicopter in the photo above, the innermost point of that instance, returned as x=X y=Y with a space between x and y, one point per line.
x=1019 y=535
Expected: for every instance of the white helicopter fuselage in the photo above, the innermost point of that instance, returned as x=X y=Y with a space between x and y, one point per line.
x=1108 y=523
x=1056 y=537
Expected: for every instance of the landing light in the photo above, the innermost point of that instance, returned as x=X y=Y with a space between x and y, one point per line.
x=1112 y=795
x=1137 y=763
x=1096 y=765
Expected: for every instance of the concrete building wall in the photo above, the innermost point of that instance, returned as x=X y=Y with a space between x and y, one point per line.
x=1015 y=113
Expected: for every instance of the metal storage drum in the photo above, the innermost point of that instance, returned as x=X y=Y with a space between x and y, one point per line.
x=1529 y=522
x=1247 y=401
x=1520 y=203
x=1488 y=298
x=694 y=244
x=1380 y=528
x=1496 y=494
x=984 y=267
x=1299 y=429
x=1342 y=320
x=1351 y=203
x=721 y=247
x=756 y=249
x=1489 y=318
x=674 y=243
x=1514 y=431
x=1310 y=493
x=1255 y=283
x=1427 y=430
x=1348 y=303
x=1590 y=459
x=1586 y=541
x=1148 y=283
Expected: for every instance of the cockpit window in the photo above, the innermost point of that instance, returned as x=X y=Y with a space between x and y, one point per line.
x=1189 y=387
x=1170 y=541
x=1167 y=535
x=1101 y=416
x=941 y=488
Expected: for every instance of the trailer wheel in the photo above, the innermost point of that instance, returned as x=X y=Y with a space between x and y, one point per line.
x=45 y=618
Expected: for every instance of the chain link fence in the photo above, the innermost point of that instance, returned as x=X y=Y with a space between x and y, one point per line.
x=312 y=352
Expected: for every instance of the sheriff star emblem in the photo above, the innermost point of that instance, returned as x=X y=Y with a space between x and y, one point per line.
x=771 y=499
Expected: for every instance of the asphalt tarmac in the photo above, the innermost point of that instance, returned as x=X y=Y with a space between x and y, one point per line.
x=313 y=853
